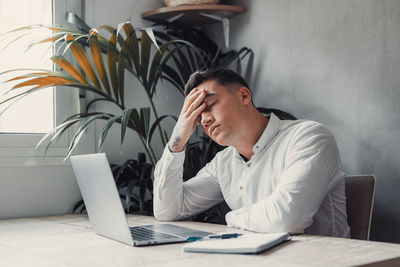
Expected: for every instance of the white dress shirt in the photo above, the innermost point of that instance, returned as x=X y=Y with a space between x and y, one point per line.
x=292 y=183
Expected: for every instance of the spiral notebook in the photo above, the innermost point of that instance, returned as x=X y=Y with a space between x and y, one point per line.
x=250 y=243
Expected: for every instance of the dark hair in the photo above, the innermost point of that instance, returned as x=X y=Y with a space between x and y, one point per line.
x=222 y=76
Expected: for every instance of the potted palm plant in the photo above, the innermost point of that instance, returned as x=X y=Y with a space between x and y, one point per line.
x=99 y=66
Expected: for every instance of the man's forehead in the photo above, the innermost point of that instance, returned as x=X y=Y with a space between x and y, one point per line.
x=211 y=87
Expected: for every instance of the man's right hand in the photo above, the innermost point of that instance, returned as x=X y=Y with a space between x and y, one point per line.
x=188 y=119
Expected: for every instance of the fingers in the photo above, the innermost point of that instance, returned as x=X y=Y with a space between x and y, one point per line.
x=196 y=102
x=196 y=113
x=191 y=97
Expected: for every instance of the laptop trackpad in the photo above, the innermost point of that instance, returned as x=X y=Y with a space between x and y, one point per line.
x=176 y=230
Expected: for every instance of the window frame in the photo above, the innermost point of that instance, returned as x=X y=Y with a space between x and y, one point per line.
x=18 y=149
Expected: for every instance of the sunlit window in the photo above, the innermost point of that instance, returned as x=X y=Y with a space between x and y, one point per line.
x=34 y=113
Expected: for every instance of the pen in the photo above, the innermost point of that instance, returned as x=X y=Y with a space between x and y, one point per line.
x=223 y=236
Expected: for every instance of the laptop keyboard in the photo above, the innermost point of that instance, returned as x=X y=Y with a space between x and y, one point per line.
x=143 y=234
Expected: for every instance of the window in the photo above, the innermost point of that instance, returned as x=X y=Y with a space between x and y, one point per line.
x=34 y=113
x=26 y=121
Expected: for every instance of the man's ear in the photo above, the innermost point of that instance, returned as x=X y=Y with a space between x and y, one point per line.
x=245 y=95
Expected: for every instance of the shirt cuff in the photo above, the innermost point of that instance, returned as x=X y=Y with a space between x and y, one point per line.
x=173 y=156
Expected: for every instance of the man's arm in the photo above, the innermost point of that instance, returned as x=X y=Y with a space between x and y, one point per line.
x=313 y=169
x=173 y=199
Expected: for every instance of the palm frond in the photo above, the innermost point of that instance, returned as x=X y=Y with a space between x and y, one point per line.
x=106 y=128
x=98 y=61
x=83 y=61
x=79 y=133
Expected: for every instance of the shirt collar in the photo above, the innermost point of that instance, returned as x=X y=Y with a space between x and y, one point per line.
x=270 y=132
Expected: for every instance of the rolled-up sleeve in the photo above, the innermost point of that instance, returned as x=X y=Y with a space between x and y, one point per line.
x=175 y=199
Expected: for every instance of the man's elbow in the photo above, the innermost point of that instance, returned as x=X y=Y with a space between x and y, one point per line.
x=288 y=223
x=164 y=216
x=290 y=227
x=292 y=224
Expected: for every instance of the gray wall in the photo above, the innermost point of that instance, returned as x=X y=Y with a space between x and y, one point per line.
x=336 y=62
x=27 y=191
x=332 y=61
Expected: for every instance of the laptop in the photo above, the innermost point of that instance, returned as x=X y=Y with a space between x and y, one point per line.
x=105 y=211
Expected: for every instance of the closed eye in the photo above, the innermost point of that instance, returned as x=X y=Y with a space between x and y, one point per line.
x=210 y=106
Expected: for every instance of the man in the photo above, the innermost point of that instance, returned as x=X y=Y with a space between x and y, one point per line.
x=275 y=175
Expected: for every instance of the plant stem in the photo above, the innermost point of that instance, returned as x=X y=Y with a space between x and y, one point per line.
x=164 y=142
x=154 y=155
x=149 y=150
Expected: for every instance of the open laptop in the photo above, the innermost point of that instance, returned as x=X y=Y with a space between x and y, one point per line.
x=105 y=210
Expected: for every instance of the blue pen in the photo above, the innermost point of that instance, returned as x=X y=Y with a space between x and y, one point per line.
x=223 y=236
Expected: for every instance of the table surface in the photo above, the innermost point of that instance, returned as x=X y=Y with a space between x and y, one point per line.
x=69 y=241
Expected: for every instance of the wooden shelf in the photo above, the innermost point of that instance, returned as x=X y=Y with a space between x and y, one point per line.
x=193 y=13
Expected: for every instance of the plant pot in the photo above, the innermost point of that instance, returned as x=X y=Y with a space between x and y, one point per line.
x=171 y=3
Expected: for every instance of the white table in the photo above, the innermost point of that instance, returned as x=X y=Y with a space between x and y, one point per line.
x=69 y=241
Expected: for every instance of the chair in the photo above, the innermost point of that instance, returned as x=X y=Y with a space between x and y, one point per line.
x=360 y=192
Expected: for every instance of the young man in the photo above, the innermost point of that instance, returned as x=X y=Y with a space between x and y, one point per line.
x=275 y=175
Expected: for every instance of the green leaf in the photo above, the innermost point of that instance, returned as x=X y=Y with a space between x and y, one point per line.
x=78 y=22
x=14 y=40
x=59 y=133
x=145 y=119
x=105 y=130
x=54 y=131
x=156 y=63
x=129 y=191
x=174 y=75
x=97 y=100
x=182 y=63
x=192 y=61
x=145 y=45
x=179 y=87
x=78 y=135
x=121 y=74
x=133 y=46
x=112 y=30
x=150 y=33
x=125 y=118
x=155 y=124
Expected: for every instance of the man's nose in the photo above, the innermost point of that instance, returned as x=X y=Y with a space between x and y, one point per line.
x=206 y=119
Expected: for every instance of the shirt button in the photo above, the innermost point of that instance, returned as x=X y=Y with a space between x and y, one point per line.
x=249 y=165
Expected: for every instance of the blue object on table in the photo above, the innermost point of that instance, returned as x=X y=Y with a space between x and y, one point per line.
x=223 y=236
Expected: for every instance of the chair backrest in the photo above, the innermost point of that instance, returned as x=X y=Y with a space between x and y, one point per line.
x=360 y=193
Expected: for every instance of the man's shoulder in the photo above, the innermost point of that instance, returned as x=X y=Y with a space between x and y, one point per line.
x=303 y=125
x=302 y=130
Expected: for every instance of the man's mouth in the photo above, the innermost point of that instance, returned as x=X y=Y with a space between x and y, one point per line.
x=212 y=128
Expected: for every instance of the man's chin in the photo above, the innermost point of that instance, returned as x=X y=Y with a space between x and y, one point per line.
x=219 y=140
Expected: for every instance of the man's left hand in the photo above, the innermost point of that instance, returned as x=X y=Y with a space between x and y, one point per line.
x=235 y=218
